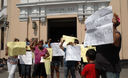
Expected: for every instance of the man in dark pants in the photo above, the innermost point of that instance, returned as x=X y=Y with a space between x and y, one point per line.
x=107 y=57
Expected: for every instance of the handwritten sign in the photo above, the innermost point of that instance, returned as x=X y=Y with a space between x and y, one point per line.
x=73 y=53
x=16 y=48
x=26 y=59
x=56 y=50
x=99 y=27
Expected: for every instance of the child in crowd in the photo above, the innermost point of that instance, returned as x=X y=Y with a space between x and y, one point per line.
x=89 y=70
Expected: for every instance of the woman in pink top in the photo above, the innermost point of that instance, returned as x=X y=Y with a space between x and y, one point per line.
x=39 y=51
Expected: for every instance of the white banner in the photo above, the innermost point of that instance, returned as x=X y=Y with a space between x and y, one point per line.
x=26 y=59
x=73 y=53
x=99 y=27
x=56 y=50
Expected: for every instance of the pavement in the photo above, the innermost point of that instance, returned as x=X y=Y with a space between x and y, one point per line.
x=4 y=73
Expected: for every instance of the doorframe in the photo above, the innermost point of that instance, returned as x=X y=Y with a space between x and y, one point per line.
x=62 y=17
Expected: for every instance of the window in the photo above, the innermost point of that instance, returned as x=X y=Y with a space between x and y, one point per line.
x=2 y=38
x=2 y=4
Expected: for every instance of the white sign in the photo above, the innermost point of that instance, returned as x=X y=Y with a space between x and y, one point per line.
x=56 y=50
x=105 y=14
x=73 y=53
x=99 y=27
x=26 y=59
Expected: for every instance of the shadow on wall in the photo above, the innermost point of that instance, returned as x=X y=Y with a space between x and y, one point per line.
x=34 y=27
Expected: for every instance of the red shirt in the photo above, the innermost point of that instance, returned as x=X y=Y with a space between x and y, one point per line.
x=89 y=71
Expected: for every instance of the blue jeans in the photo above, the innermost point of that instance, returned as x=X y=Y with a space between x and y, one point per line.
x=69 y=67
x=110 y=75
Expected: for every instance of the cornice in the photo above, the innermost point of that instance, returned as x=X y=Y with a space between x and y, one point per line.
x=48 y=3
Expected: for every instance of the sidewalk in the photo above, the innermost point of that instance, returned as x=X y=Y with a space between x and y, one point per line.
x=4 y=73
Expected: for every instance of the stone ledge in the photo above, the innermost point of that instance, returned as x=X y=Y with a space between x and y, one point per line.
x=124 y=63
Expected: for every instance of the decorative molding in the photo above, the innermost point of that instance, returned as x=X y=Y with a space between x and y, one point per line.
x=80 y=12
x=61 y=9
x=40 y=10
x=48 y=3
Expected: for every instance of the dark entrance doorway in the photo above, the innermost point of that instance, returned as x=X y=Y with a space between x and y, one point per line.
x=63 y=26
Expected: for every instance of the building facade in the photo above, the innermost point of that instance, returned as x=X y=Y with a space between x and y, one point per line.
x=3 y=24
x=44 y=19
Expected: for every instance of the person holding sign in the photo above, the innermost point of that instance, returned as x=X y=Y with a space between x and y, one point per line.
x=12 y=62
x=107 y=57
x=56 y=59
x=26 y=62
x=73 y=56
x=40 y=52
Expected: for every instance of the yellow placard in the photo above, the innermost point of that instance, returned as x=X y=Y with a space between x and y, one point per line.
x=84 y=50
x=16 y=48
x=50 y=55
x=48 y=67
x=47 y=61
x=68 y=39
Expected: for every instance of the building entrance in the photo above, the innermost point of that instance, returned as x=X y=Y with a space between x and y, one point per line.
x=63 y=26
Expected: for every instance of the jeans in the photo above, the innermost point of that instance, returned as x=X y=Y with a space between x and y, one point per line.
x=26 y=70
x=19 y=67
x=70 y=68
x=11 y=70
x=110 y=75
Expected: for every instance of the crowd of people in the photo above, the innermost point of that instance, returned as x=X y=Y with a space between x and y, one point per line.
x=104 y=61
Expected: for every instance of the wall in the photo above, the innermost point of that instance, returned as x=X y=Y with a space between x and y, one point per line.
x=121 y=8
x=16 y=29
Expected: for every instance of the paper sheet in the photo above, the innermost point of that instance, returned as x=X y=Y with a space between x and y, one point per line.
x=84 y=50
x=73 y=53
x=16 y=48
x=47 y=67
x=68 y=39
x=47 y=61
x=56 y=50
x=26 y=59
x=99 y=28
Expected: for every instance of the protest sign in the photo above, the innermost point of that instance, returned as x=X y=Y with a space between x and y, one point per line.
x=16 y=48
x=84 y=50
x=99 y=27
x=68 y=39
x=56 y=50
x=26 y=59
x=73 y=53
x=47 y=61
x=47 y=67
x=48 y=58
